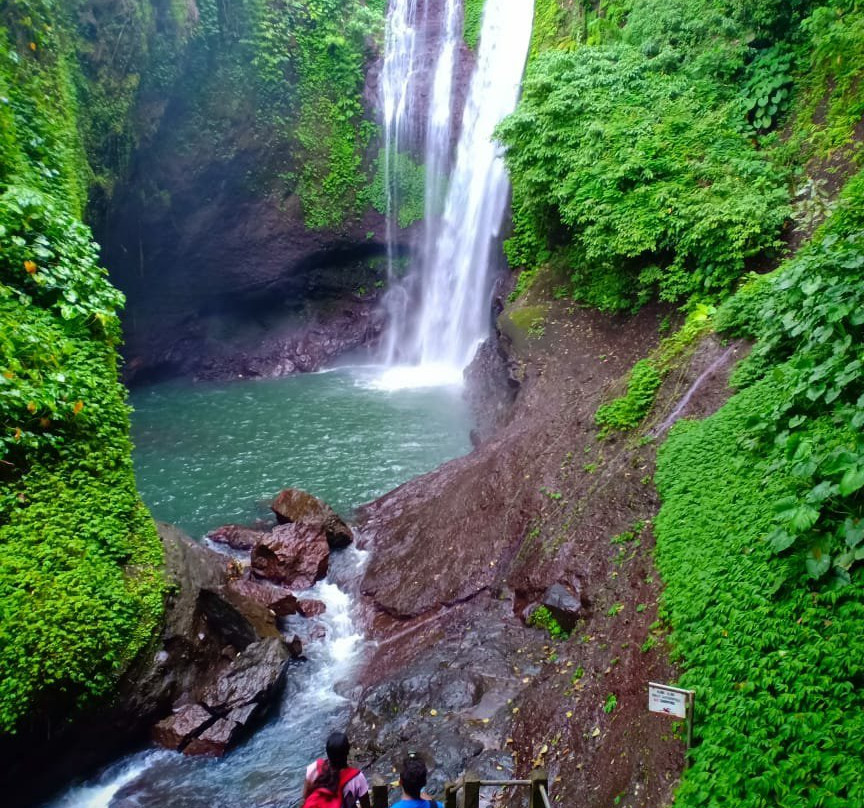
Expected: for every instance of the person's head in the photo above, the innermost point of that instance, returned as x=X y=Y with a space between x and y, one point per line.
x=338 y=747
x=413 y=775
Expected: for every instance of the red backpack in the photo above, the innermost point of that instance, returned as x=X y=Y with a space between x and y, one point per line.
x=324 y=798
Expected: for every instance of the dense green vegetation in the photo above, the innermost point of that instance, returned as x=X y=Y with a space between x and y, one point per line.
x=407 y=187
x=80 y=587
x=764 y=499
x=659 y=151
x=632 y=164
x=472 y=21
x=325 y=45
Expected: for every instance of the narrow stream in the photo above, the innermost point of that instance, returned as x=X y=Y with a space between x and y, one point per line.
x=207 y=454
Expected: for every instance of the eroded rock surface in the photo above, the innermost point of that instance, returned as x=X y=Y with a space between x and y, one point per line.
x=295 y=554
x=294 y=505
x=237 y=537
x=459 y=554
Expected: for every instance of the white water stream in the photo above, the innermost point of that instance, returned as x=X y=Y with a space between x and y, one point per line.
x=268 y=769
x=440 y=313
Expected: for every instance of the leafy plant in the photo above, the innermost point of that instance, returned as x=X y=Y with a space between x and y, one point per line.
x=472 y=11
x=541 y=617
x=768 y=90
x=764 y=499
x=610 y=703
x=628 y=161
x=628 y=411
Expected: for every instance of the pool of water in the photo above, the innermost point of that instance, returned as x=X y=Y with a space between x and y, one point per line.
x=210 y=454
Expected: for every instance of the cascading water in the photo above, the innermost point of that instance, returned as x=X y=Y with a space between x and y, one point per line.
x=450 y=288
x=268 y=769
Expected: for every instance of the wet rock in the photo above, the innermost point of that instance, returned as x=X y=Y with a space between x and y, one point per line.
x=215 y=740
x=253 y=677
x=276 y=598
x=564 y=604
x=237 y=537
x=294 y=505
x=182 y=725
x=295 y=647
x=238 y=621
x=293 y=554
x=311 y=608
x=318 y=632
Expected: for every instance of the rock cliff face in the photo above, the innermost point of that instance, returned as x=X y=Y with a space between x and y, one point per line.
x=541 y=513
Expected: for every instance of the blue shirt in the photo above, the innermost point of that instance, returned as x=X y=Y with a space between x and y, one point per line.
x=417 y=804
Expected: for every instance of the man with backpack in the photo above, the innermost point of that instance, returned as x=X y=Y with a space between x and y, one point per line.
x=412 y=778
x=332 y=783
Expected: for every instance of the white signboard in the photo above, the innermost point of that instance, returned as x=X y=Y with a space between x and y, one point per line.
x=667 y=700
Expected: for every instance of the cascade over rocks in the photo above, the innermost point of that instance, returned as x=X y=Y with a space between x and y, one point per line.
x=214 y=671
x=292 y=554
x=294 y=505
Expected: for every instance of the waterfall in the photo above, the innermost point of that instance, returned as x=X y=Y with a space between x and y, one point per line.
x=439 y=313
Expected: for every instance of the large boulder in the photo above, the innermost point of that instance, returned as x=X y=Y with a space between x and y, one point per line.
x=230 y=704
x=277 y=599
x=182 y=725
x=294 y=505
x=252 y=678
x=564 y=604
x=295 y=554
x=237 y=537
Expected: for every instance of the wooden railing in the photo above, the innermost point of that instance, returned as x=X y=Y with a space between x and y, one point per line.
x=470 y=785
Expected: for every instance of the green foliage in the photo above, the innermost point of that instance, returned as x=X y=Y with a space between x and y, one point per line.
x=768 y=89
x=472 y=22
x=808 y=318
x=407 y=191
x=646 y=376
x=328 y=45
x=631 y=161
x=80 y=585
x=764 y=500
x=628 y=411
x=610 y=703
x=832 y=104
x=541 y=617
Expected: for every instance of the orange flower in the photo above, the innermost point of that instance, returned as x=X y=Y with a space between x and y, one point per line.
x=31 y=267
x=33 y=46
x=17 y=435
x=31 y=406
x=78 y=406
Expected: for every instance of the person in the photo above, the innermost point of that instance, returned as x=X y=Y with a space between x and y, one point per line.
x=326 y=780
x=412 y=779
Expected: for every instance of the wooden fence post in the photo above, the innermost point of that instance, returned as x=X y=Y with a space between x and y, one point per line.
x=538 y=778
x=379 y=792
x=450 y=800
x=471 y=798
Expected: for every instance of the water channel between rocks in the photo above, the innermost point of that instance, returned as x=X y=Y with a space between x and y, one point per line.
x=210 y=454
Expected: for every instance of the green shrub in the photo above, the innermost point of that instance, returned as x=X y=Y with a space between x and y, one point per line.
x=630 y=158
x=764 y=501
x=408 y=188
x=541 y=617
x=472 y=22
x=628 y=411
x=80 y=581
